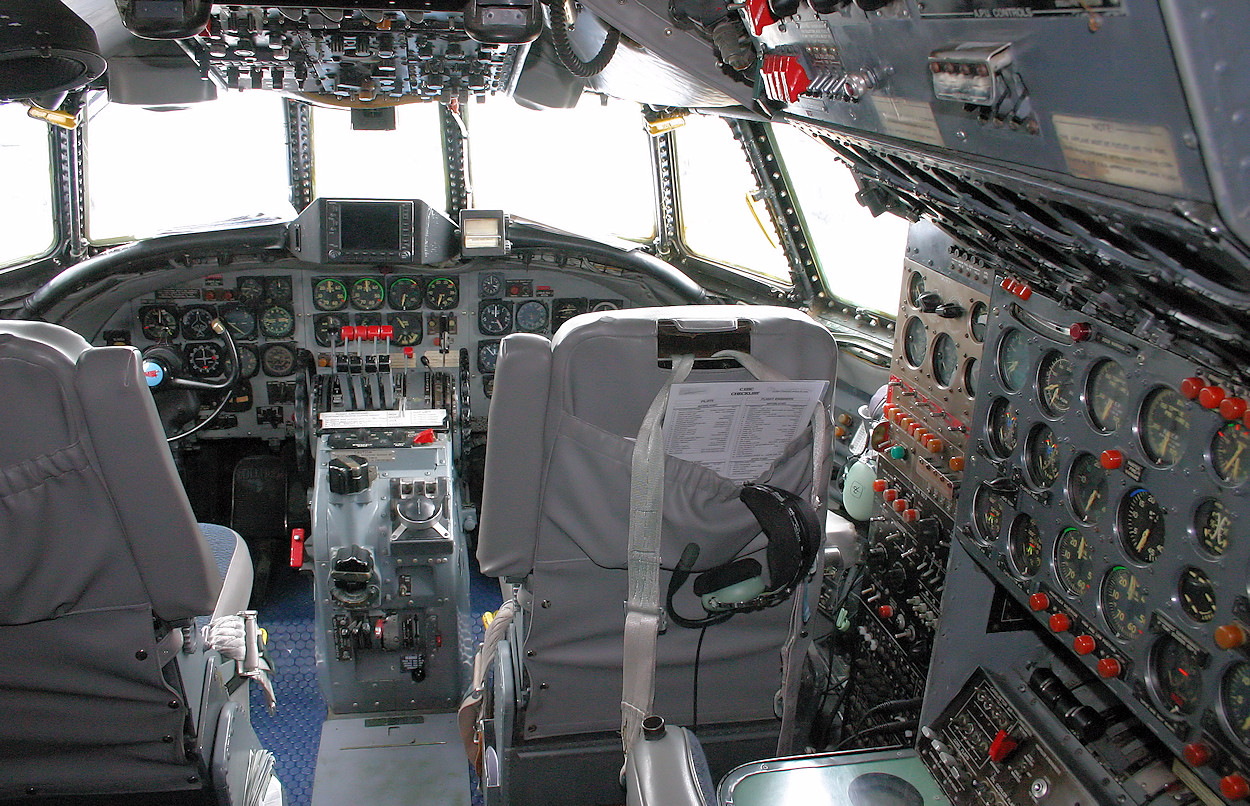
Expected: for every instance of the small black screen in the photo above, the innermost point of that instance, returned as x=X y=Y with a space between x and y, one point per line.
x=370 y=226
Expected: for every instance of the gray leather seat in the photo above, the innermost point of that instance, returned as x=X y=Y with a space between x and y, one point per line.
x=105 y=690
x=555 y=519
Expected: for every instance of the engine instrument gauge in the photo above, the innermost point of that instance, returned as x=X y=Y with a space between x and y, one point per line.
x=1176 y=674
x=196 y=323
x=531 y=316
x=914 y=342
x=489 y=285
x=1164 y=426
x=329 y=294
x=987 y=512
x=408 y=328
x=367 y=294
x=487 y=356
x=1087 y=488
x=1054 y=383
x=1213 y=523
x=1106 y=395
x=442 y=294
x=203 y=359
x=978 y=321
x=970 y=377
x=915 y=287
x=1013 y=360
x=562 y=310
x=328 y=329
x=249 y=361
x=1142 y=528
x=277 y=322
x=1074 y=561
x=240 y=321
x=494 y=318
x=158 y=323
x=1197 y=595
x=1124 y=603
x=1002 y=428
x=1235 y=702
x=945 y=360
x=1025 y=546
x=249 y=290
x=1041 y=455
x=404 y=294
x=278 y=360
x=1229 y=456
x=279 y=289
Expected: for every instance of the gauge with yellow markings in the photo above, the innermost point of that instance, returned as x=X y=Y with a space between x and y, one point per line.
x=367 y=294
x=1074 y=561
x=1041 y=453
x=1235 y=701
x=405 y=294
x=1142 y=527
x=408 y=328
x=1087 y=488
x=1106 y=395
x=442 y=293
x=1197 y=595
x=1054 y=383
x=329 y=294
x=1124 y=603
x=277 y=322
x=1230 y=453
x=1025 y=546
x=1164 y=426
x=1213 y=524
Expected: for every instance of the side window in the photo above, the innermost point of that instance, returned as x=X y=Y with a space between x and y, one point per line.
x=860 y=256
x=722 y=220
x=27 y=225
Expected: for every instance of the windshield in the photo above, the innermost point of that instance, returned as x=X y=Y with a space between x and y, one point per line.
x=406 y=163
x=26 y=221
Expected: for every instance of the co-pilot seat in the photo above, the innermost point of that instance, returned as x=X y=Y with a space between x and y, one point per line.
x=106 y=690
x=555 y=518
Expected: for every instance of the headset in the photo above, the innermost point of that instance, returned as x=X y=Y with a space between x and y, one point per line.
x=794 y=538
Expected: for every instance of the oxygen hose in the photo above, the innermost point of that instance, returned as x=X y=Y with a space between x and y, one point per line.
x=564 y=47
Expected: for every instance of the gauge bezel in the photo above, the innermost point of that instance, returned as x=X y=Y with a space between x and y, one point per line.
x=317 y=302
x=418 y=328
x=1155 y=686
x=489 y=327
x=235 y=308
x=1180 y=594
x=280 y=289
x=996 y=447
x=1089 y=561
x=336 y=338
x=442 y=304
x=531 y=304
x=1005 y=378
x=1121 y=529
x=944 y=341
x=1105 y=607
x=1197 y=525
x=970 y=378
x=353 y=296
x=1143 y=415
x=1032 y=466
x=1048 y=361
x=207 y=332
x=915 y=287
x=248 y=349
x=247 y=298
x=1082 y=513
x=1093 y=374
x=1015 y=534
x=218 y=357
x=482 y=345
x=283 y=334
x=915 y=324
x=1221 y=709
x=1238 y=427
x=418 y=289
x=982 y=492
x=168 y=310
x=269 y=349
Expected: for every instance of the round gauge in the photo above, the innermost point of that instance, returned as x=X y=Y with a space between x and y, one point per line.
x=970 y=377
x=945 y=359
x=278 y=360
x=563 y=310
x=1176 y=672
x=404 y=294
x=1235 y=701
x=278 y=289
x=408 y=328
x=978 y=321
x=1002 y=428
x=488 y=385
x=1074 y=561
x=1197 y=595
x=203 y=359
x=915 y=287
x=1106 y=392
x=328 y=329
x=531 y=316
x=601 y=305
x=1142 y=529
x=1214 y=526
x=196 y=323
x=1025 y=546
x=1124 y=603
x=1164 y=426
x=494 y=318
x=1087 y=488
x=442 y=294
x=1041 y=454
x=249 y=362
x=1054 y=383
x=240 y=322
x=487 y=356
x=249 y=291
x=329 y=294
x=1013 y=360
x=366 y=294
x=490 y=285
x=1228 y=451
x=987 y=512
x=277 y=322
x=914 y=342
x=368 y=320
x=158 y=323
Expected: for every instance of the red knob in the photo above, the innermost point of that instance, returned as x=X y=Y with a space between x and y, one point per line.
x=1084 y=644
x=1230 y=636
x=1234 y=786
x=1190 y=387
x=888 y=410
x=1197 y=754
x=1060 y=622
x=1080 y=331
x=1109 y=667
x=910 y=515
x=890 y=494
x=900 y=504
x=1039 y=601
x=1111 y=459
x=934 y=444
x=957 y=463
x=878 y=486
x=885 y=611
x=1211 y=397
x=1232 y=408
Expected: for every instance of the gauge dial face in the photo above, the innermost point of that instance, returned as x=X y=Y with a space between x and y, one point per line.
x=1124 y=603
x=1176 y=672
x=442 y=294
x=158 y=323
x=945 y=360
x=1106 y=395
x=1025 y=546
x=531 y=316
x=914 y=342
x=1235 y=701
x=1142 y=528
x=562 y=310
x=987 y=512
x=601 y=305
x=490 y=285
x=1002 y=428
x=915 y=287
x=250 y=290
x=408 y=329
x=1087 y=488
x=366 y=294
x=1041 y=453
x=1054 y=383
x=240 y=321
x=1229 y=455
x=1074 y=561
x=329 y=294
x=368 y=319
x=1013 y=360
x=196 y=323
x=405 y=294
x=328 y=329
x=1213 y=523
x=203 y=359
x=278 y=360
x=488 y=385
x=978 y=321
x=1164 y=426
x=487 y=356
x=970 y=377
x=278 y=289
x=277 y=322
x=1197 y=595
x=249 y=361
x=494 y=318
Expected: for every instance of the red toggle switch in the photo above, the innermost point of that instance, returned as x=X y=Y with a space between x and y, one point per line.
x=900 y=504
x=1023 y=292
x=297 y=548
x=760 y=16
x=785 y=78
x=1190 y=387
x=1109 y=667
x=1211 y=397
x=1232 y=408
x=911 y=515
x=885 y=611
x=1001 y=747
x=890 y=494
x=1230 y=636
x=879 y=485
x=372 y=332
x=424 y=438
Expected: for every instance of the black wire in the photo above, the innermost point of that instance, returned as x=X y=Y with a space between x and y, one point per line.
x=564 y=48
x=698 y=650
x=889 y=727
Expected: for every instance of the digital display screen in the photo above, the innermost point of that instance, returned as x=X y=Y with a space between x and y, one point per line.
x=370 y=226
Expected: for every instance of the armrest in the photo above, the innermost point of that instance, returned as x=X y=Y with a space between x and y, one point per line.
x=666 y=767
